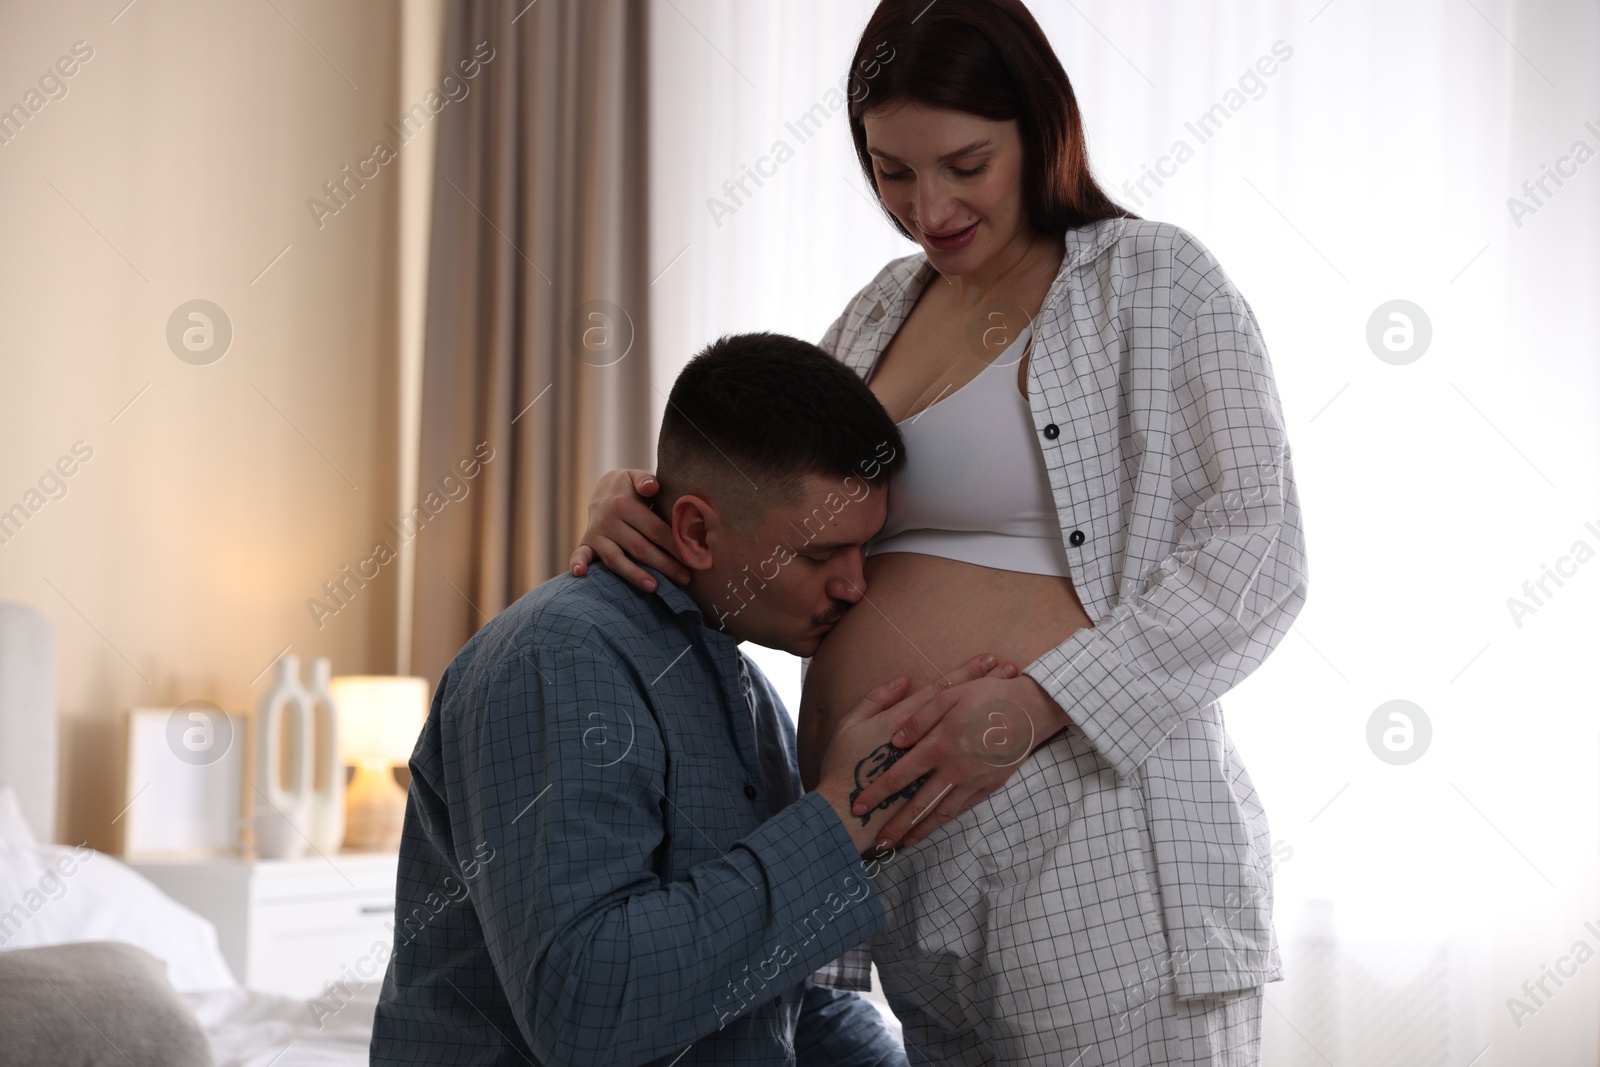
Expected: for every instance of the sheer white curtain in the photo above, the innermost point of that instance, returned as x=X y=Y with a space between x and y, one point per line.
x=1336 y=157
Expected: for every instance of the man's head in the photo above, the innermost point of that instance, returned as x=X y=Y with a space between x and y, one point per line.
x=774 y=460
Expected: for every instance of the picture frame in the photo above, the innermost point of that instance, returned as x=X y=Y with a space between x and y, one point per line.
x=185 y=781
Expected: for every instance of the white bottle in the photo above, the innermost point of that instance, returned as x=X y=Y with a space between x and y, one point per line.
x=283 y=809
x=327 y=784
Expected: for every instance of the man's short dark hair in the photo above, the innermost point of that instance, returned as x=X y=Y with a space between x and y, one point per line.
x=755 y=413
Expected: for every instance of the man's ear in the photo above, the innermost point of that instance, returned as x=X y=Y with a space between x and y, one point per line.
x=693 y=519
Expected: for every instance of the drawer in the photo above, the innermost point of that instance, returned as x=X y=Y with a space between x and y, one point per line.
x=335 y=877
x=299 y=947
x=291 y=926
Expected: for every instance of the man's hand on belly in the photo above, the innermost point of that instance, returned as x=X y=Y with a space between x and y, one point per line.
x=861 y=753
x=870 y=768
x=957 y=750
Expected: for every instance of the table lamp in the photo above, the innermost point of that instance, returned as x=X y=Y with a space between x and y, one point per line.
x=379 y=718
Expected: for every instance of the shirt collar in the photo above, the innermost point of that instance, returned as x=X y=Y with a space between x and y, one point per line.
x=1084 y=244
x=673 y=595
x=889 y=302
x=682 y=605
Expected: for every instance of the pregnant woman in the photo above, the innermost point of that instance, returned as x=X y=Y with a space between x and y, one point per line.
x=1097 y=484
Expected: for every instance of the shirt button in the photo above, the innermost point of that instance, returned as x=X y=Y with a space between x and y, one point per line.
x=749 y=790
x=778 y=1003
x=1076 y=539
x=1052 y=431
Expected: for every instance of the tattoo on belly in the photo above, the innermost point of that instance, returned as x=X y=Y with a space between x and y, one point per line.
x=876 y=762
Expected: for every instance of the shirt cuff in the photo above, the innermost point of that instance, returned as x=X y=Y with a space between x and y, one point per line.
x=818 y=877
x=1123 y=715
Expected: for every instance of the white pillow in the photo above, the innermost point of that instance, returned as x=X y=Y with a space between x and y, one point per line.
x=13 y=824
x=23 y=892
x=53 y=894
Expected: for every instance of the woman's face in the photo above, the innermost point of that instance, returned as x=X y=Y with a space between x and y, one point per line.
x=953 y=179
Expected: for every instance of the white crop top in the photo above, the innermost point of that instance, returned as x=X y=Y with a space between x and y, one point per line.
x=974 y=486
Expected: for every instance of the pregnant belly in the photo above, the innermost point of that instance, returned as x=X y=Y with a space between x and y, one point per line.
x=923 y=616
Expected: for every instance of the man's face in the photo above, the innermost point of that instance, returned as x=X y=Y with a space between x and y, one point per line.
x=788 y=581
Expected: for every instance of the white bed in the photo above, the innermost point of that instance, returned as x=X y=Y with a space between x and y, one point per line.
x=54 y=893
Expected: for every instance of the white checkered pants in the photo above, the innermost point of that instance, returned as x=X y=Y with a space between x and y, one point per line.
x=1027 y=931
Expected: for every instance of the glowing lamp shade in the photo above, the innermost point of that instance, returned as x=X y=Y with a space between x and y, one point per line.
x=379 y=719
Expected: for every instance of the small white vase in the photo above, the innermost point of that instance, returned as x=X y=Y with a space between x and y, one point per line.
x=283 y=809
x=275 y=836
x=327 y=787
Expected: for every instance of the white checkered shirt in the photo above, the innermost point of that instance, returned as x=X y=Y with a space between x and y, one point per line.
x=1156 y=410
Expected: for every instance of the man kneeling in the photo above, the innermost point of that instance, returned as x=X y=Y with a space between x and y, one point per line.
x=607 y=858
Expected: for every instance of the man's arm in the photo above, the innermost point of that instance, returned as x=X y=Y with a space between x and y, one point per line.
x=600 y=959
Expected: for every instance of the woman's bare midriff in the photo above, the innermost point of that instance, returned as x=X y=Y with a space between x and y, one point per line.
x=924 y=616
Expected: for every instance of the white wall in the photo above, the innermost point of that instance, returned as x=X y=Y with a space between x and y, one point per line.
x=178 y=165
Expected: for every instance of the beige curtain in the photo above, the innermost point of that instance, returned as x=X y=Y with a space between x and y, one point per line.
x=535 y=350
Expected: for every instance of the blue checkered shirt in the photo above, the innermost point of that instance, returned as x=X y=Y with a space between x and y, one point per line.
x=607 y=859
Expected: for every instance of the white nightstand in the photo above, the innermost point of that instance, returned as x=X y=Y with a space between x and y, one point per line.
x=289 y=926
